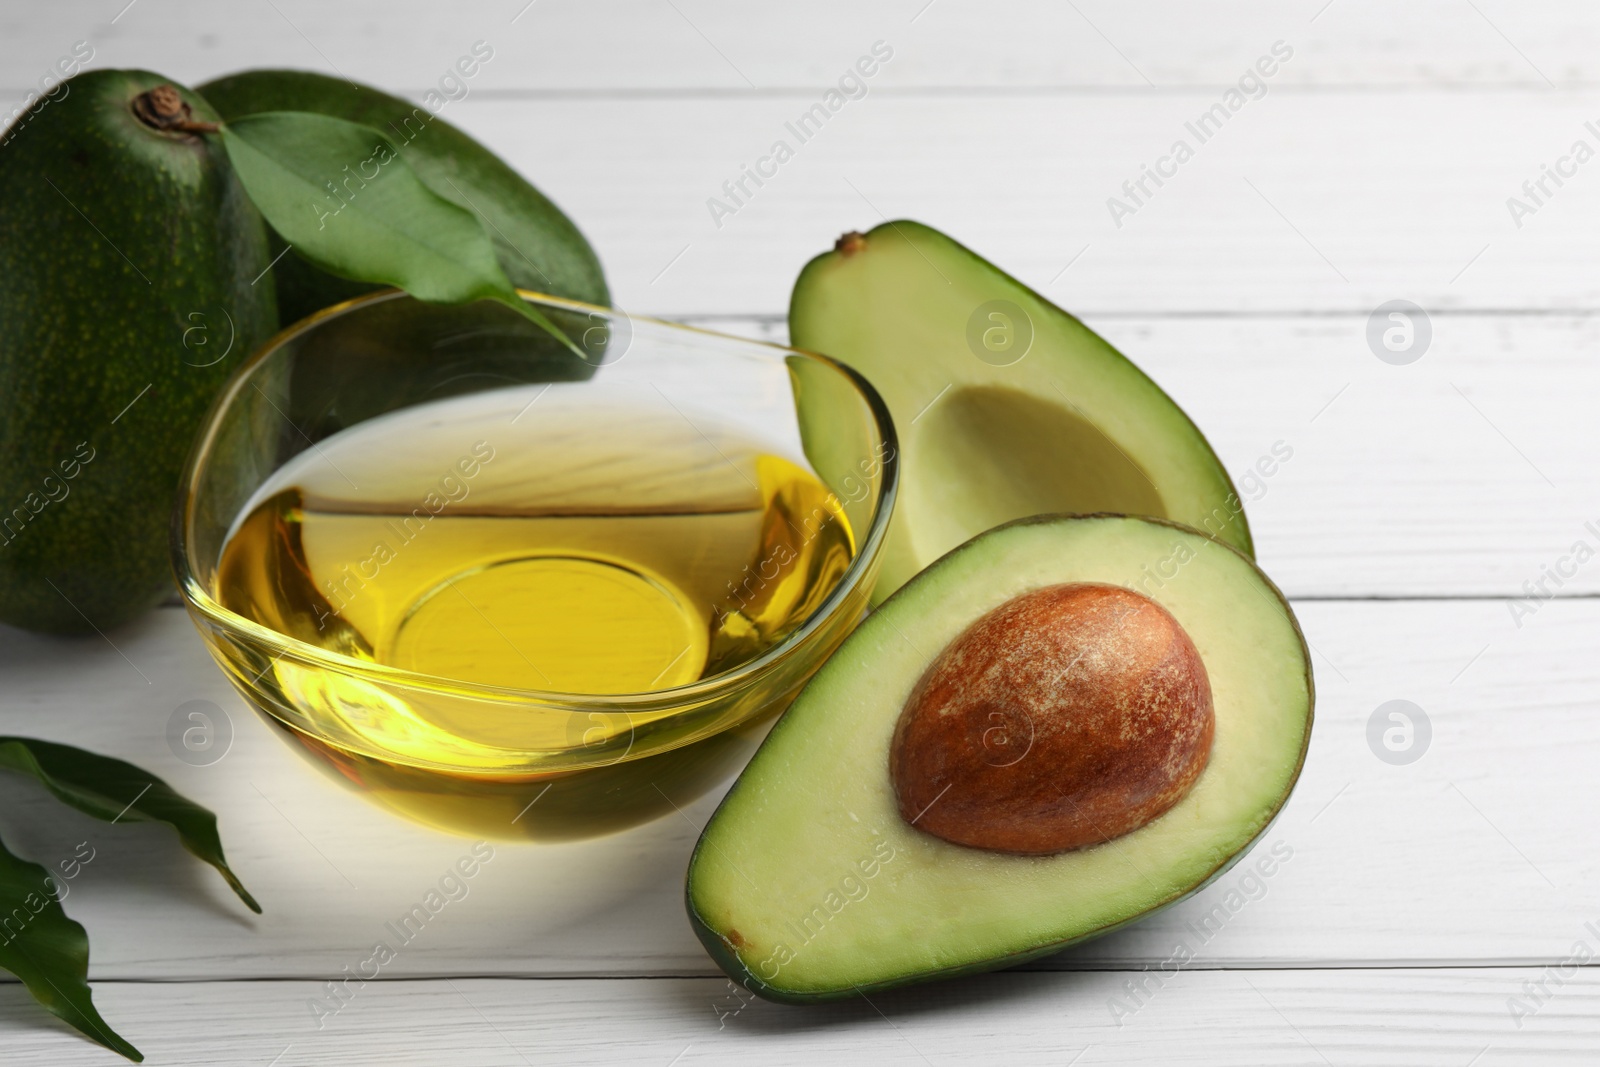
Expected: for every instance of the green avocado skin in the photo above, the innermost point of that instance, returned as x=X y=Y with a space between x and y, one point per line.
x=537 y=245
x=724 y=957
x=130 y=261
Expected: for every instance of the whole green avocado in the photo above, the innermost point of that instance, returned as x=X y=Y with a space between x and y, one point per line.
x=537 y=245
x=132 y=281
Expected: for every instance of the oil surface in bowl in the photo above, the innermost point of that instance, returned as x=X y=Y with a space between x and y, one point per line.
x=540 y=538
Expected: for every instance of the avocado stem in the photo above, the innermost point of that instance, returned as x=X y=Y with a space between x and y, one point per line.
x=162 y=108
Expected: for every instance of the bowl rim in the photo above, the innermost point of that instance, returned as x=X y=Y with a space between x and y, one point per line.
x=199 y=600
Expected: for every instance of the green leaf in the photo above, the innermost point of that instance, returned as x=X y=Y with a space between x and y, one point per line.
x=343 y=197
x=48 y=951
x=112 y=790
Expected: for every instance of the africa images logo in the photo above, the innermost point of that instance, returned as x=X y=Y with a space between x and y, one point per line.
x=1252 y=85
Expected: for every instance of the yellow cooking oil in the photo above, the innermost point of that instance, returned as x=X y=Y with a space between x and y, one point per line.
x=557 y=538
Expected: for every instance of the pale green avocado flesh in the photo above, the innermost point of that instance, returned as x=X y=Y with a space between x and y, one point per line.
x=808 y=884
x=1006 y=405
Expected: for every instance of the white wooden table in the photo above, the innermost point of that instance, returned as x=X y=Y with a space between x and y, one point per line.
x=1420 y=899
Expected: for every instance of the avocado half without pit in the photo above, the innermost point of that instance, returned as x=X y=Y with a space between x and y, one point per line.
x=1061 y=726
x=1006 y=405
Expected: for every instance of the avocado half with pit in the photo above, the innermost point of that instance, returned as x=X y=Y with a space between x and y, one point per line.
x=1006 y=405
x=1061 y=726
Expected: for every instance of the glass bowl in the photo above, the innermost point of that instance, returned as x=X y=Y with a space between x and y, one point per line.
x=509 y=760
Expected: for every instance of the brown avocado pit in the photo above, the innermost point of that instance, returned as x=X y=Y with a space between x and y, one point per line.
x=1065 y=717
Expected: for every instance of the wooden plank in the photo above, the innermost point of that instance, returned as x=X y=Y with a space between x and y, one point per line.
x=1271 y=1018
x=1302 y=201
x=1324 y=202
x=1463 y=473
x=715 y=45
x=1464 y=856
